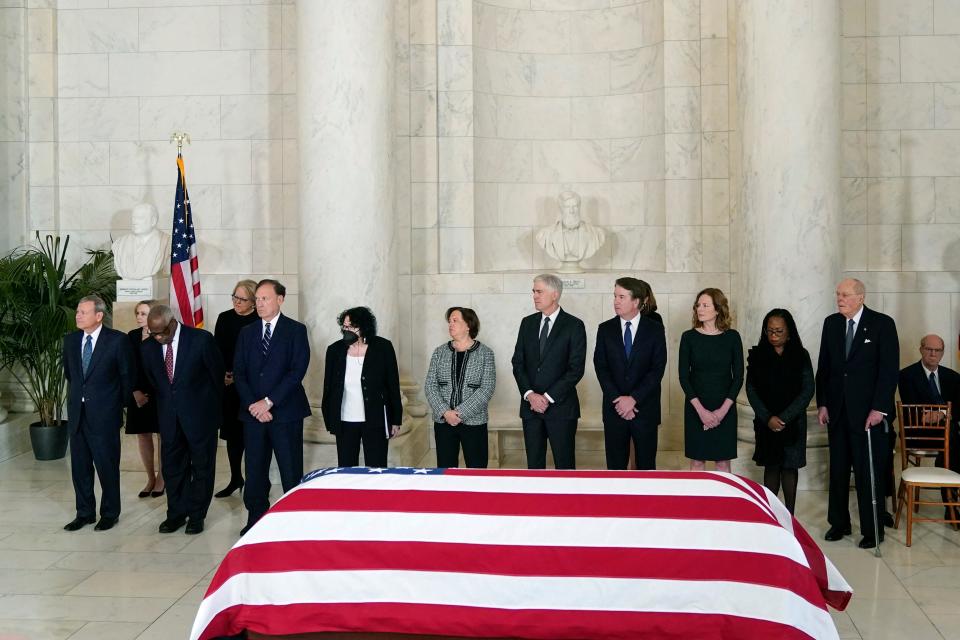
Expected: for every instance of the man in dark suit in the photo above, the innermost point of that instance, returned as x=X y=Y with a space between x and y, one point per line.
x=99 y=368
x=630 y=358
x=928 y=382
x=856 y=382
x=548 y=363
x=186 y=370
x=271 y=360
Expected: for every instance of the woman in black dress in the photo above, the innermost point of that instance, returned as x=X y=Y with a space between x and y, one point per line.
x=779 y=387
x=229 y=324
x=142 y=409
x=711 y=374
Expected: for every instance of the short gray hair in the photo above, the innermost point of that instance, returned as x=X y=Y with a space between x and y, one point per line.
x=551 y=281
x=161 y=311
x=99 y=306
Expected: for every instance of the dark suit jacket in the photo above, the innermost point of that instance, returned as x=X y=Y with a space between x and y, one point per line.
x=278 y=375
x=380 y=380
x=915 y=388
x=558 y=371
x=108 y=383
x=638 y=377
x=194 y=398
x=866 y=380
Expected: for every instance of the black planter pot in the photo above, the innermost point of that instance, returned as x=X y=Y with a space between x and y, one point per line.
x=49 y=442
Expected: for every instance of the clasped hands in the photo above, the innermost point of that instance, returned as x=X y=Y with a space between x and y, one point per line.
x=711 y=419
x=538 y=402
x=452 y=417
x=261 y=411
x=873 y=418
x=626 y=407
x=140 y=398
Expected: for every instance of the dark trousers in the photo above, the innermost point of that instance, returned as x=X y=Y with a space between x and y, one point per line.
x=473 y=439
x=265 y=440
x=371 y=435
x=617 y=435
x=189 y=463
x=559 y=432
x=95 y=447
x=848 y=447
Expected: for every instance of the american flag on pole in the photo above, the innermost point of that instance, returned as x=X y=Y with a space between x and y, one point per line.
x=525 y=554
x=184 y=265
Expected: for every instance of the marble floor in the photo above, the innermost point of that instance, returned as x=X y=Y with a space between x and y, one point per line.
x=132 y=582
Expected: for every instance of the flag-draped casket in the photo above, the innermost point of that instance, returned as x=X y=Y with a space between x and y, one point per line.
x=525 y=554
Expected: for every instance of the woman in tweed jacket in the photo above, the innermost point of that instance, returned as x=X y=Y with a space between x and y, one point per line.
x=459 y=385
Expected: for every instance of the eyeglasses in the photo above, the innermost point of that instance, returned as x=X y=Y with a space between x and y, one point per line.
x=776 y=332
x=239 y=299
x=931 y=350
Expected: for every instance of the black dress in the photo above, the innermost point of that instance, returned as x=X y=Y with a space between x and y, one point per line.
x=229 y=324
x=780 y=385
x=141 y=419
x=711 y=368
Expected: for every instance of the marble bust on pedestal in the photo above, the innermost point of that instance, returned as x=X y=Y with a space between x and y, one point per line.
x=571 y=238
x=142 y=253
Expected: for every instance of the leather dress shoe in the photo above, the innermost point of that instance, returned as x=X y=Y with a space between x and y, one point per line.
x=105 y=524
x=78 y=523
x=194 y=527
x=868 y=542
x=836 y=533
x=171 y=524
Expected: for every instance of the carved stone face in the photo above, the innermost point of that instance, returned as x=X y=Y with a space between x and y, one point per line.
x=570 y=214
x=144 y=219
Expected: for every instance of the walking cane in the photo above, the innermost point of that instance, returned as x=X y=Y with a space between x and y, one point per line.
x=873 y=492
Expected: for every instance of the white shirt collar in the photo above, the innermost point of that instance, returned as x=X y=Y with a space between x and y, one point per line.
x=552 y=316
x=935 y=372
x=272 y=321
x=632 y=321
x=856 y=318
x=95 y=333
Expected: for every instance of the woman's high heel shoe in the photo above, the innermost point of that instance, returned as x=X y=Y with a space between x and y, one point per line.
x=227 y=491
x=157 y=494
x=147 y=491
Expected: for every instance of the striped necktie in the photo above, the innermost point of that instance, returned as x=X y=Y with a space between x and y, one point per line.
x=87 y=354
x=265 y=340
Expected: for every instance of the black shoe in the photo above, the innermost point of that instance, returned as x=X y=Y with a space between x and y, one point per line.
x=105 y=524
x=171 y=524
x=887 y=519
x=836 y=533
x=78 y=523
x=868 y=542
x=194 y=527
x=227 y=491
x=157 y=494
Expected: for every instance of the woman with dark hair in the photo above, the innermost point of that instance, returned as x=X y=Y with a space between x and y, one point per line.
x=779 y=387
x=459 y=384
x=142 y=409
x=711 y=374
x=361 y=391
x=643 y=291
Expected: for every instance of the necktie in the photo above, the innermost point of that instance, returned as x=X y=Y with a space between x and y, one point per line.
x=544 y=332
x=849 y=340
x=627 y=340
x=168 y=360
x=933 y=388
x=265 y=340
x=87 y=355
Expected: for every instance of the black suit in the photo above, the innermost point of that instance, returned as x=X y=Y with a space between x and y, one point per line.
x=95 y=404
x=554 y=373
x=850 y=386
x=638 y=377
x=189 y=415
x=382 y=405
x=278 y=375
x=915 y=389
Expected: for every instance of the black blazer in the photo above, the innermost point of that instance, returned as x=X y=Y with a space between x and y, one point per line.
x=639 y=376
x=558 y=371
x=278 y=375
x=108 y=383
x=194 y=397
x=380 y=379
x=915 y=387
x=865 y=381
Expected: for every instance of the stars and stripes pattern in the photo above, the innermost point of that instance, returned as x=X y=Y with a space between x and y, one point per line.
x=184 y=264
x=525 y=554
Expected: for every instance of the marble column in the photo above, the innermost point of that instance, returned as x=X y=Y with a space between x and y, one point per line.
x=345 y=75
x=788 y=118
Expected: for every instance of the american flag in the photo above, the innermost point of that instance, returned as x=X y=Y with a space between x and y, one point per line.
x=184 y=265
x=525 y=554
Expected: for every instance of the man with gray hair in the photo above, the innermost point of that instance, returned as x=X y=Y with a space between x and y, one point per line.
x=548 y=362
x=99 y=367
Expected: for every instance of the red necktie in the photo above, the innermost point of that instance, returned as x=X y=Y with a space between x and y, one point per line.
x=168 y=360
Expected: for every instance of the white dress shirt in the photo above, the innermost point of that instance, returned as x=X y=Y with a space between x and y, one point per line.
x=633 y=327
x=273 y=326
x=174 y=344
x=553 y=320
x=93 y=343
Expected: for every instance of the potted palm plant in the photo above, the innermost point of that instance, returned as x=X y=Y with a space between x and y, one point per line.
x=38 y=301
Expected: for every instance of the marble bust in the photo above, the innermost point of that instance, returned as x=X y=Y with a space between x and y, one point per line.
x=141 y=254
x=571 y=238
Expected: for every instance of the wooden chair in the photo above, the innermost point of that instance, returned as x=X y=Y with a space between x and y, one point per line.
x=919 y=440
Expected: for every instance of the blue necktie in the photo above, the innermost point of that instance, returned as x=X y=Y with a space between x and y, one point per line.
x=627 y=340
x=265 y=341
x=933 y=388
x=849 y=340
x=544 y=332
x=87 y=354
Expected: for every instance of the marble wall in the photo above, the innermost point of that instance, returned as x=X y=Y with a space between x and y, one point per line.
x=900 y=173
x=13 y=124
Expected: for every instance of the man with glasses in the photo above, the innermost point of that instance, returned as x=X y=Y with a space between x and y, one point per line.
x=186 y=370
x=268 y=369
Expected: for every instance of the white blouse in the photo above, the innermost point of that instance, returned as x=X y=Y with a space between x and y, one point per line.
x=351 y=408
